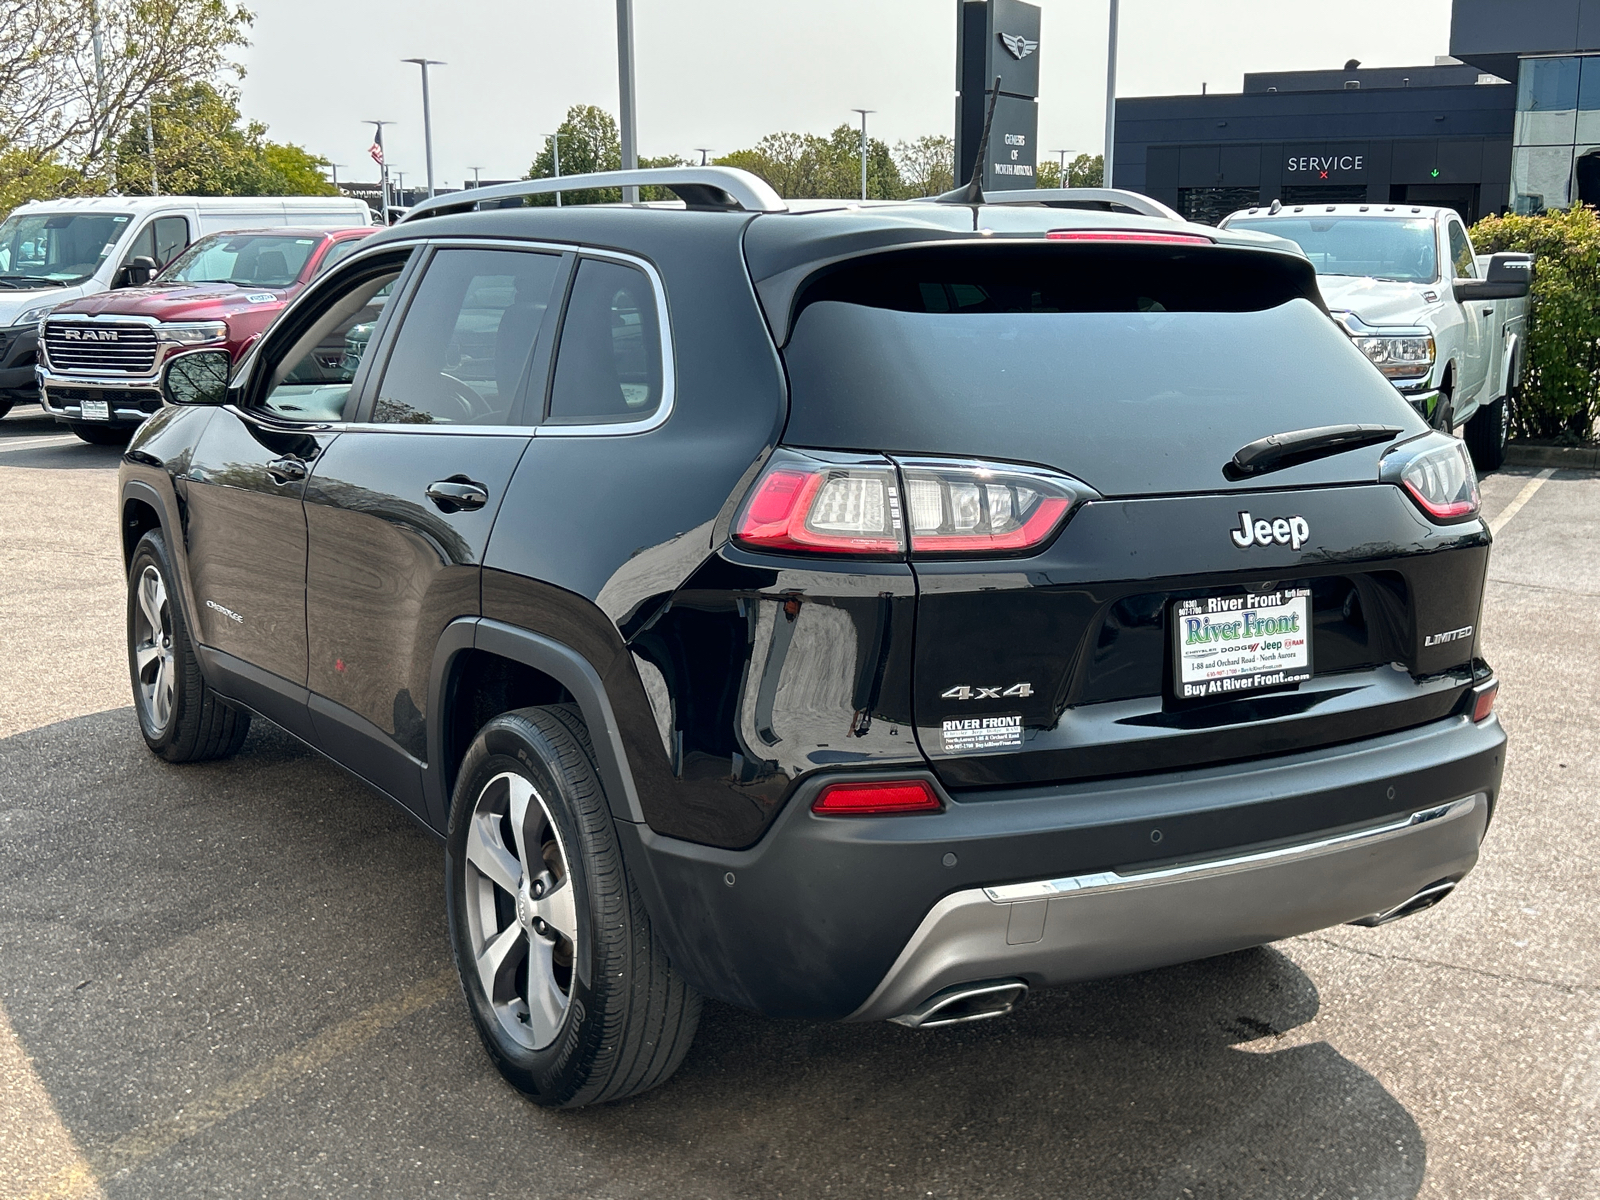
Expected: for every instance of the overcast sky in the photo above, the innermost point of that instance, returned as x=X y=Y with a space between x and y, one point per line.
x=721 y=73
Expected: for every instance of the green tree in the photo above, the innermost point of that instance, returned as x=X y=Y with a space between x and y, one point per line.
x=1084 y=171
x=927 y=165
x=56 y=107
x=205 y=147
x=590 y=142
x=1561 y=371
x=805 y=166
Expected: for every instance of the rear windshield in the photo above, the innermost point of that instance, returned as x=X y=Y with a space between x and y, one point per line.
x=1064 y=278
x=1390 y=248
x=1138 y=381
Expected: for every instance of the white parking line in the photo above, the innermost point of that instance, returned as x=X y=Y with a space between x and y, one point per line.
x=36 y=443
x=1526 y=494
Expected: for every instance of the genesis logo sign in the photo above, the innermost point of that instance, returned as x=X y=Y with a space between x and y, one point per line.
x=1018 y=46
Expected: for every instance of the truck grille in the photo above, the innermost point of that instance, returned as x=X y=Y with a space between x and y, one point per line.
x=100 y=347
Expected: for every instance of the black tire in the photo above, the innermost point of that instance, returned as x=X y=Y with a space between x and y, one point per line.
x=626 y=1018
x=100 y=435
x=1488 y=432
x=1444 y=410
x=193 y=723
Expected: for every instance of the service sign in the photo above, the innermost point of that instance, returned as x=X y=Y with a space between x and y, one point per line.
x=1336 y=163
x=1232 y=644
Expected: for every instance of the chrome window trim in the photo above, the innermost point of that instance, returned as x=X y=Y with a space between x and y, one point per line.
x=1105 y=881
x=669 y=372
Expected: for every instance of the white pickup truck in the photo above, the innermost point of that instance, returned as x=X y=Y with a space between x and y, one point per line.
x=1446 y=326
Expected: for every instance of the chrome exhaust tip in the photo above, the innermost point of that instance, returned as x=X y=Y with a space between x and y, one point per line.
x=964 y=1003
x=1426 y=898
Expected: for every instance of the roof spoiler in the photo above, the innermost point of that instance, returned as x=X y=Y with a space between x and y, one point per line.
x=697 y=187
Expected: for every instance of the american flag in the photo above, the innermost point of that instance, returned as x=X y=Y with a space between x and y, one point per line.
x=376 y=149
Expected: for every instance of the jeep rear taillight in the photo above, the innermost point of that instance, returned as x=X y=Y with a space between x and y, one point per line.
x=931 y=507
x=956 y=507
x=824 y=507
x=1435 y=470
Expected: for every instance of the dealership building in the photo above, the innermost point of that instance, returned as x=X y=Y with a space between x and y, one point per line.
x=1511 y=120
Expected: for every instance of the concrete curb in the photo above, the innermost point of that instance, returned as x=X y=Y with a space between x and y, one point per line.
x=1570 y=458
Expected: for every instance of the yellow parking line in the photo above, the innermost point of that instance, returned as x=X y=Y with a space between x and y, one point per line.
x=132 y=1149
x=1526 y=494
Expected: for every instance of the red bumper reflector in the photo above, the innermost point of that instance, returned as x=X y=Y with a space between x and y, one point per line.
x=862 y=799
x=1484 y=698
x=1149 y=237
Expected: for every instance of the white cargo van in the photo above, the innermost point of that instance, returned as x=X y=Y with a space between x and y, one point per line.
x=53 y=251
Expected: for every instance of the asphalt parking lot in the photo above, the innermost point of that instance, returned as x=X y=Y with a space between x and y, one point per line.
x=233 y=979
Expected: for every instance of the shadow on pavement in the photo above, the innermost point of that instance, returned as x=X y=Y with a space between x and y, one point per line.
x=165 y=931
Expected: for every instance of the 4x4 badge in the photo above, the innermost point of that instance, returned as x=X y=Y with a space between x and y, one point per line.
x=965 y=692
x=1293 y=532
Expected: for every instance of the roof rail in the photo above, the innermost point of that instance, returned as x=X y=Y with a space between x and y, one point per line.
x=1074 y=197
x=707 y=187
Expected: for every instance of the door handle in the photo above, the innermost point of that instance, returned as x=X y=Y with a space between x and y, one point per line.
x=287 y=470
x=1488 y=312
x=457 y=494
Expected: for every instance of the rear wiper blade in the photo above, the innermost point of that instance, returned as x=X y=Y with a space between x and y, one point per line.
x=1280 y=450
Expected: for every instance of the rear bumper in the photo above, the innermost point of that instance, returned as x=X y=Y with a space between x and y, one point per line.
x=853 y=917
x=1089 y=926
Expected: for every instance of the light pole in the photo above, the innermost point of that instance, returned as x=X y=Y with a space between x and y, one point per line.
x=400 y=188
x=383 y=163
x=630 y=115
x=1063 y=153
x=150 y=142
x=427 y=116
x=555 y=159
x=703 y=151
x=334 y=167
x=474 y=171
x=863 y=112
x=1111 y=95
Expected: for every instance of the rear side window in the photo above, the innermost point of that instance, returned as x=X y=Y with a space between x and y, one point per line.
x=608 y=365
x=467 y=338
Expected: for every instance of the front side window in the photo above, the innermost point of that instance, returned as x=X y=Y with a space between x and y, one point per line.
x=60 y=248
x=608 y=366
x=1461 y=253
x=311 y=378
x=467 y=338
x=252 y=259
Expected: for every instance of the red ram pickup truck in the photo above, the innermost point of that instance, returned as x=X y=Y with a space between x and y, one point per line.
x=100 y=358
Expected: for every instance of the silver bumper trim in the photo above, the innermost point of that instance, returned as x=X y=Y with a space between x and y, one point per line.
x=1056 y=931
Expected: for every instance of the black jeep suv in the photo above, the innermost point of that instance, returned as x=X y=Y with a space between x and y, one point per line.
x=851 y=612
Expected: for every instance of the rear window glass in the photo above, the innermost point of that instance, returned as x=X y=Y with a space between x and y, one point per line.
x=608 y=366
x=1062 y=279
x=1139 y=376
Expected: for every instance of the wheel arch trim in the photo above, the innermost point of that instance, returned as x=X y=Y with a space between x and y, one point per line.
x=137 y=490
x=561 y=663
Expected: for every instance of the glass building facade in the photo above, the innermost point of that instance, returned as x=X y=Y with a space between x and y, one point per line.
x=1555 y=157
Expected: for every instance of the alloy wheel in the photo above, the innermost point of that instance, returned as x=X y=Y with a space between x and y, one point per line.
x=522 y=918
x=154 y=664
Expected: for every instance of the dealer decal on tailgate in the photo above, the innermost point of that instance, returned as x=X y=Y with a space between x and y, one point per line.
x=972 y=735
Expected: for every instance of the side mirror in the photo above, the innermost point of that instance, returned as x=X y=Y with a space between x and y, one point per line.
x=1509 y=277
x=199 y=377
x=137 y=272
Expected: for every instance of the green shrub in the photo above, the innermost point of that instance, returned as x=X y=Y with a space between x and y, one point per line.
x=1561 y=368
